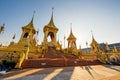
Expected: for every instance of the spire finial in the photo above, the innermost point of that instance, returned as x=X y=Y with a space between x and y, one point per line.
x=70 y=24
x=92 y=33
x=3 y=24
x=71 y=27
x=52 y=12
x=33 y=16
x=52 y=9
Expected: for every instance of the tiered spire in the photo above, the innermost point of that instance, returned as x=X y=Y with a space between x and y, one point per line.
x=51 y=23
x=30 y=25
x=95 y=46
x=71 y=36
x=31 y=22
x=94 y=42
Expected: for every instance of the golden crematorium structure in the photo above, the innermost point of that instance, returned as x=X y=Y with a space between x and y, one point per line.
x=26 y=50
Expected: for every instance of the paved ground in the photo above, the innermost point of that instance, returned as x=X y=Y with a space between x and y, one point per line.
x=99 y=72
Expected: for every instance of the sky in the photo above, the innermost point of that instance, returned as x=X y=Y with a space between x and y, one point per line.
x=98 y=17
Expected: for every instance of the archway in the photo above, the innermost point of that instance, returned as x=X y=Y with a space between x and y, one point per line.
x=25 y=35
x=50 y=37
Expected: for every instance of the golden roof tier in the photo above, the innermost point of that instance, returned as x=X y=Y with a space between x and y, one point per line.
x=30 y=26
x=71 y=36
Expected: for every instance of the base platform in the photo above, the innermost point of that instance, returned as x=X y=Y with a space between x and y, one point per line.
x=57 y=62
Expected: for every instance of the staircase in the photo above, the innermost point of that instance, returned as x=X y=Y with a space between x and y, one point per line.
x=53 y=53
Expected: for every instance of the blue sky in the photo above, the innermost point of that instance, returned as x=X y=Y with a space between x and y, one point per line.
x=100 y=16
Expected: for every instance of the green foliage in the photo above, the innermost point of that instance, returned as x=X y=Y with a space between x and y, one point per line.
x=9 y=63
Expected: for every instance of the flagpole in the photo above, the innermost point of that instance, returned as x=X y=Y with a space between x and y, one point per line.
x=64 y=41
x=87 y=47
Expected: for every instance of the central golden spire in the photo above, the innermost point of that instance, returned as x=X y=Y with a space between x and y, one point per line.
x=51 y=23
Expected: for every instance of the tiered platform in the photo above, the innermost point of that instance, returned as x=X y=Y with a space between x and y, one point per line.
x=57 y=62
x=56 y=58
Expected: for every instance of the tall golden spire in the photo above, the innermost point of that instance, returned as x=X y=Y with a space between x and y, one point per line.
x=95 y=46
x=94 y=42
x=71 y=40
x=30 y=25
x=71 y=36
x=51 y=23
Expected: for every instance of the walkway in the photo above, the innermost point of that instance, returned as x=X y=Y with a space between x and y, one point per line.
x=97 y=72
